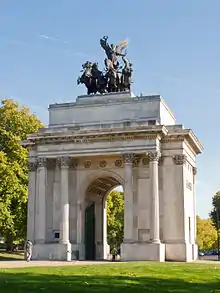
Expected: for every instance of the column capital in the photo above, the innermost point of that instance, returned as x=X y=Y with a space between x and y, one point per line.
x=128 y=158
x=32 y=165
x=194 y=170
x=179 y=159
x=41 y=162
x=154 y=156
x=64 y=162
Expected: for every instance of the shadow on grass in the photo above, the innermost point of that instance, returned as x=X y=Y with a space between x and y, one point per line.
x=11 y=256
x=21 y=282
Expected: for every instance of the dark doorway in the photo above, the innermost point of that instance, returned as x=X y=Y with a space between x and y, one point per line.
x=90 y=232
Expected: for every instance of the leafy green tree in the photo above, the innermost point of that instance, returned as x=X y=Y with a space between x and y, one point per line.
x=115 y=218
x=215 y=212
x=15 y=123
x=206 y=234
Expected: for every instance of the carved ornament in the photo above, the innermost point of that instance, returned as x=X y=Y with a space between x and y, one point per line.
x=145 y=161
x=119 y=163
x=128 y=158
x=194 y=171
x=87 y=164
x=136 y=162
x=102 y=137
x=128 y=137
x=102 y=164
x=64 y=162
x=179 y=159
x=41 y=162
x=154 y=156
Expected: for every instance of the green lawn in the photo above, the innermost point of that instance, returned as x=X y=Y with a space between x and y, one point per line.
x=11 y=255
x=118 y=277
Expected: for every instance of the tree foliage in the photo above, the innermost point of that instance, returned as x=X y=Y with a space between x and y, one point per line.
x=215 y=212
x=206 y=234
x=15 y=123
x=115 y=218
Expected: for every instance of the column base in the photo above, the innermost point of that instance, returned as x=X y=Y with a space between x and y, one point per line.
x=53 y=251
x=78 y=251
x=102 y=251
x=143 y=251
x=183 y=252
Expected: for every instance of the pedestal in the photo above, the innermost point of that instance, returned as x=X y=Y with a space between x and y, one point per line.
x=55 y=251
x=183 y=252
x=102 y=251
x=143 y=252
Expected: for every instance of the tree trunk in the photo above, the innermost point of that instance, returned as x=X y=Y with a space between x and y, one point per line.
x=9 y=241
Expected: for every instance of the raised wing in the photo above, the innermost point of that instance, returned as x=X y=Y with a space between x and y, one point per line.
x=121 y=46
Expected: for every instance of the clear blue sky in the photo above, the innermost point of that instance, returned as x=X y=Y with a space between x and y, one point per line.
x=174 y=47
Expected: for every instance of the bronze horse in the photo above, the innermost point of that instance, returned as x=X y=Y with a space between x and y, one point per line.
x=93 y=78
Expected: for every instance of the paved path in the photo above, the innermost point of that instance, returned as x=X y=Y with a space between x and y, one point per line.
x=24 y=264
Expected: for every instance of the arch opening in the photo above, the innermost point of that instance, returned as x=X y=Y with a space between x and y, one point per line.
x=101 y=231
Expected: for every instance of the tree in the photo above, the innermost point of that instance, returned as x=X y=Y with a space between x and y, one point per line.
x=115 y=218
x=15 y=123
x=215 y=212
x=206 y=233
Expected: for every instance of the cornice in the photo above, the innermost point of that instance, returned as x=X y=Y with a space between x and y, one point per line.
x=88 y=136
x=99 y=135
x=184 y=135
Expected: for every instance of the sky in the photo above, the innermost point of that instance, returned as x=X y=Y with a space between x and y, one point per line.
x=174 y=47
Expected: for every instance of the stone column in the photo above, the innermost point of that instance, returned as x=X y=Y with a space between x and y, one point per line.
x=32 y=165
x=64 y=201
x=154 y=189
x=79 y=223
x=99 y=229
x=128 y=197
x=80 y=227
x=56 y=198
x=194 y=203
x=40 y=231
x=106 y=247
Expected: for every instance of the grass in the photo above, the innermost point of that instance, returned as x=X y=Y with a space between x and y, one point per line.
x=118 y=277
x=5 y=256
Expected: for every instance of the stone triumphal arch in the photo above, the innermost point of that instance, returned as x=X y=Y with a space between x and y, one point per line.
x=95 y=144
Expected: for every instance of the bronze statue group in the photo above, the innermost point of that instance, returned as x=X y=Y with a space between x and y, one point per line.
x=115 y=77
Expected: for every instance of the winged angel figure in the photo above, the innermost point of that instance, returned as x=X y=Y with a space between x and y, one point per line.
x=112 y=51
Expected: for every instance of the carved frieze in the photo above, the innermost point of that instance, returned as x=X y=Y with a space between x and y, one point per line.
x=87 y=164
x=128 y=137
x=119 y=163
x=179 y=159
x=136 y=162
x=102 y=164
x=91 y=137
x=145 y=161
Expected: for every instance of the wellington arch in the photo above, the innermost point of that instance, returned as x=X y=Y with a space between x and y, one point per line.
x=94 y=144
